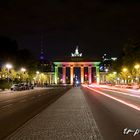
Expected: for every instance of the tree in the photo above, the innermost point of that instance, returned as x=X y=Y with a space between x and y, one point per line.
x=12 y=75
x=131 y=51
x=3 y=73
x=8 y=49
x=42 y=78
x=23 y=76
x=111 y=77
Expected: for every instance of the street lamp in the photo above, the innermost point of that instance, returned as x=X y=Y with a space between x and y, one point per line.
x=137 y=66
x=37 y=72
x=114 y=72
x=106 y=70
x=8 y=66
x=124 y=69
x=23 y=69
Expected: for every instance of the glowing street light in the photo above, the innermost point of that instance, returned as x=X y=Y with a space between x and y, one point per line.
x=124 y=69
x=8 y=66
x=114 y=72
x=37 y=72
x=137 y=66
x=23 y=69
x=106 y=70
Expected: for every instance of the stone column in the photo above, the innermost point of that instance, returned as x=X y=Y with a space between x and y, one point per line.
x=89 y=74
x=97 y=75
x=71 y=75
x=64 y=74
x=56 y=75
x=82 y=74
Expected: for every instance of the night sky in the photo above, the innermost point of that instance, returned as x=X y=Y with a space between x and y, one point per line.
x=97 y=26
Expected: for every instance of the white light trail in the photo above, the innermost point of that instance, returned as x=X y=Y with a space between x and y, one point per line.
x=116 y=99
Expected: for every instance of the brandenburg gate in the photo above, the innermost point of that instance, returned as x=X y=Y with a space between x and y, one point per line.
x=75 y=63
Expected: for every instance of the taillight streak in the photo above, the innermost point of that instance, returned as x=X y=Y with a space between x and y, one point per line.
x=116 y=99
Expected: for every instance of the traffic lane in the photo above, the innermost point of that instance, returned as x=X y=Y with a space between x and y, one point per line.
x=128 y=98
x=127 y=90
x=15 y=115
x=112 y=117
x=21 y=96
x=38 y=95
x=15 y=94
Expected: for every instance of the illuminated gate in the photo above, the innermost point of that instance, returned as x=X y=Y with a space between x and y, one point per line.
x=77 y=62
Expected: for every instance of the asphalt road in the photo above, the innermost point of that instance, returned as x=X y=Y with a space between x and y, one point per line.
x=111 y=116
x=16 y=110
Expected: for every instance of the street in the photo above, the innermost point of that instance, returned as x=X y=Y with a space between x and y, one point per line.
x=19 y=107
x=115 y=112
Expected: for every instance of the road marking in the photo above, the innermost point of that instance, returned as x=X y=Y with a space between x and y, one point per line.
x=114 y=98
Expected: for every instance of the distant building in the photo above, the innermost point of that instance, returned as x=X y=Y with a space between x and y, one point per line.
x=106 y=66
x=46 y=67
x=106 y=63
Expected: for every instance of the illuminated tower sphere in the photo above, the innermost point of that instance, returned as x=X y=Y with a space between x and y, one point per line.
x=42 y=56
x=44 y=64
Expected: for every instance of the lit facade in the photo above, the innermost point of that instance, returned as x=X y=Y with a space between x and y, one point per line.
x=81 y=65
x=77 y=61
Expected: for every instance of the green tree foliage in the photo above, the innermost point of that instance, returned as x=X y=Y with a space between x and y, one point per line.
x=131 y=53
x=3 y=73
x=42 y=78
x=111 y=77
x=125 y=75
x=23 y=76
x=12 y=75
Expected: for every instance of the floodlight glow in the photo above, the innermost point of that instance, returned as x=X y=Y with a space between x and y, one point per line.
x=114 y=72
x=106 y=70
x=23 y=69
x=137 y=66
x=77 y=82
x=8 y=66
x=124 y=69
x=37 y=72
x=118 y=78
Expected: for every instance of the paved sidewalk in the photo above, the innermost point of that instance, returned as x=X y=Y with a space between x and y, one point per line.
x=69 y=118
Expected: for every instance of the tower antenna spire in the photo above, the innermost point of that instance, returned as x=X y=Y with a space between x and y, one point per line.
x=42 y=48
